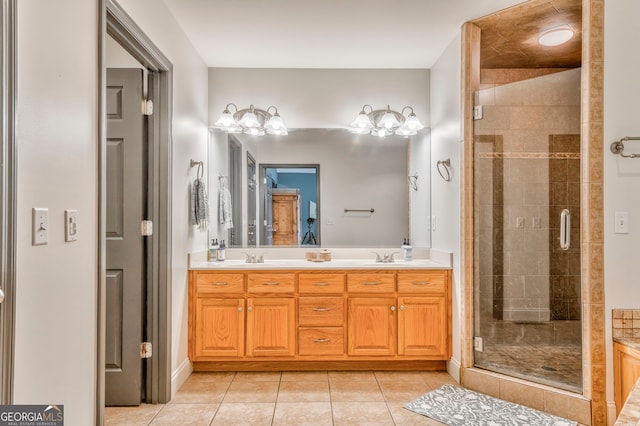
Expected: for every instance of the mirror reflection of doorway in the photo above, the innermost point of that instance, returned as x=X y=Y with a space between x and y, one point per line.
x=251 y=201
x=235 y=186
x=290 y=204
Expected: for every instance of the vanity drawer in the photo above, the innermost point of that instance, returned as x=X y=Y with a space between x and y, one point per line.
x=219 y=283
x=321 y=341
x=321 y=283
x=432 y=282
x=271 y=283
x=384 y=282
x=321 y=311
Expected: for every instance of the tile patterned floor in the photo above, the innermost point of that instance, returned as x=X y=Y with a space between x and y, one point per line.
x=557 y=366
x=289 y=398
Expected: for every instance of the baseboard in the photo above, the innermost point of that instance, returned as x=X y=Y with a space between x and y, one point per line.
x=180 y=375
x=611 y=412
x=453 y=368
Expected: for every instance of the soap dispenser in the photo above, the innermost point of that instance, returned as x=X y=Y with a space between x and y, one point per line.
x=221 y=254
x=213 y=250
x=407 y=250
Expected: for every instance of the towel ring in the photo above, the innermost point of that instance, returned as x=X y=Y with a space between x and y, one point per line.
x=413 y=181
x=200 y=165
x=447 y=165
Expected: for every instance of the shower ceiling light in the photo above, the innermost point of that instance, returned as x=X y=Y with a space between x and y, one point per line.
x=385 y=122
x=252 y=121
x=556 y=36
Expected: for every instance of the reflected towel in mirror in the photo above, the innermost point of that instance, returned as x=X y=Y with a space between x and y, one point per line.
x=225 y=205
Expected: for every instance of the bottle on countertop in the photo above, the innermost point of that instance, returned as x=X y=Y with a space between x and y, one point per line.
x=407 y=250
x=213 y=250
x=221 y=251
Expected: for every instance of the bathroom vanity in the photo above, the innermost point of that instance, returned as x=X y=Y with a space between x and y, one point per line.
x=298 y=314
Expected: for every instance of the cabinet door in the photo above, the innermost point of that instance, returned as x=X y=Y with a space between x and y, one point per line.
x=371 y=326
x=271 y=328
x=422 y=327
x=626 y=372
x=219 y=327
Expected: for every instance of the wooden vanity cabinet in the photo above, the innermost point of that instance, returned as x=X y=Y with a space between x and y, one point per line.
x=285 y=316
x=216 y=315
x=321 y=314
x=424 y=314
x=626 y=372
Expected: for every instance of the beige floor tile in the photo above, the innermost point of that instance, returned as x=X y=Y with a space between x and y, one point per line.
x=361 y=413
x=403 y=391
x=438 y=378
x=305 y=376
x=401 y=376
x=303 y=414
x=185 y=414
x=352 y=376
x=257 y=376
x=200 y=392
x=355 y=391
x=239 y=414
x=304 y=392
x=404 y=417
x=131 y=416
x=252 y=392
x=211 y=377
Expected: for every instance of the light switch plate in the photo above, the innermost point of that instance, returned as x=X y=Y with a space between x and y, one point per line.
x=40 y=226
x=71 y=225
x=621 y=225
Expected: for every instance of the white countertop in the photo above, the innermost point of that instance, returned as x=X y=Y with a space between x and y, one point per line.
x=294 y=259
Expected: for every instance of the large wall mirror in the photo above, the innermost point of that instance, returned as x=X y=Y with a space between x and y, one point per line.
x=319 y=187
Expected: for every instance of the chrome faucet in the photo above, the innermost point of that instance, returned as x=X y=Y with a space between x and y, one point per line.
x=252 y=258
x=385 y=258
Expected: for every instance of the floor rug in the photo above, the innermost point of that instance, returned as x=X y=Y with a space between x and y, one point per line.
x=456 y=406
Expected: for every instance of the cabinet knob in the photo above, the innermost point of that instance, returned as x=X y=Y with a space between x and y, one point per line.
x=402 y=307
x=250 y=308
x=393 y=309
x=239 y=308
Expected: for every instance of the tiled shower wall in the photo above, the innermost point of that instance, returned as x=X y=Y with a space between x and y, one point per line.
x=527 y=169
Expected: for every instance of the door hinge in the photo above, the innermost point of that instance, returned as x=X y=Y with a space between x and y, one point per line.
x=147 y=107
x=478 y=344
x=146 y=228
x=146 y=350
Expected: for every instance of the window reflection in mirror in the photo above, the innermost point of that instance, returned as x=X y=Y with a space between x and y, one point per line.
x=360 y=173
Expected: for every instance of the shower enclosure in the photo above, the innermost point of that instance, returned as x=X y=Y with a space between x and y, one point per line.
x=527 y=291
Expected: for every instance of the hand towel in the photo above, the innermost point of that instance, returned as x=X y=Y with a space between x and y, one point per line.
x=199 y=212
x=225 y=205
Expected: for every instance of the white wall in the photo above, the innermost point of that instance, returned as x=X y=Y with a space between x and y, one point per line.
x=621 y=176
x=189 y=142
x=446 y=142
x=57 y=138
x=318 y=98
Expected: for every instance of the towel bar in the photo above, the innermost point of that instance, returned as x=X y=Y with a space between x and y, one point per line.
x=617 y=147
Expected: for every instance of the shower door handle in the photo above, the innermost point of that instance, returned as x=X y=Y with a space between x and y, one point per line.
x=565 y=229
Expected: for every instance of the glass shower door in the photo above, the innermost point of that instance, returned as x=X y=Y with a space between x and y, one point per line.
x=527 y=321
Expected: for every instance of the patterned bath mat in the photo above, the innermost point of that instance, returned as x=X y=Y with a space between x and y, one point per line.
x=456 y=406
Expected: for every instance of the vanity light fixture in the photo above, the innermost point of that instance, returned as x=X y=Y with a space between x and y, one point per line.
x=385 y=122
x=252 y=121
x=556 y=36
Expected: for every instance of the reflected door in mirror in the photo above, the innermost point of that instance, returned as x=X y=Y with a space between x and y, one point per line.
x=286 y=218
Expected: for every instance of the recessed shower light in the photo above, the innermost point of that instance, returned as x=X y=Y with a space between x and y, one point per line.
x=556 y=36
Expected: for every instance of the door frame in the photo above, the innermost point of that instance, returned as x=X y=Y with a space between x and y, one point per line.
x=8 y=194
x=262 y=193
x=115 y=22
